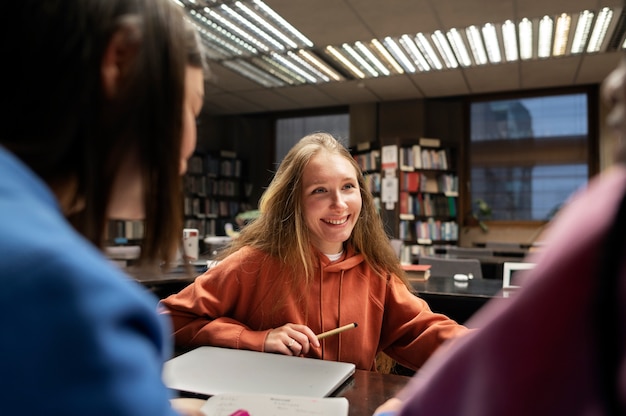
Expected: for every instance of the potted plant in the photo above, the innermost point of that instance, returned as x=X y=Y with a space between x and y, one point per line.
x=481 y=212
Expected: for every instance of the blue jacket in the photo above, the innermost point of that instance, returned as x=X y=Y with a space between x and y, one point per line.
x=78 y=336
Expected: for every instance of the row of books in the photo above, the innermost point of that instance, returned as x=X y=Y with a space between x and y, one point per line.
x=416 y=157
x=368 y=161
x=214 y=166
x=426 y=205
x=205 y=185
x=415 y=181
x=425 y=232
x=212 y=208
x=373 y=181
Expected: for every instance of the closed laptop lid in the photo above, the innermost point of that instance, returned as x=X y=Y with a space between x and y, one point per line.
x=212 y=370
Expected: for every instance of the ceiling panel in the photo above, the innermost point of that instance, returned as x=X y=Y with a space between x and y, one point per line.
x=461 y=14
x=308 y=96
x=443 y=83
x=348 y=92
x=398 y=87
x=492 y=78
x=324 y=22
x=547 y=73
x=395 y=18
x=594 y=68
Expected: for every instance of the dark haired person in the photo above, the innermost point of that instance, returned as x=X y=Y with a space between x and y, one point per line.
x=98 y=121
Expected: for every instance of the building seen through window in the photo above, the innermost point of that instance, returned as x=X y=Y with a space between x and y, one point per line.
x=528 y=155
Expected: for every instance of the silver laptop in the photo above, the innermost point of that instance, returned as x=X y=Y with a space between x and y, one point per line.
x=211 y=370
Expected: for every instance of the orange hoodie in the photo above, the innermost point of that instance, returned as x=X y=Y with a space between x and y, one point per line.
x=237 y=302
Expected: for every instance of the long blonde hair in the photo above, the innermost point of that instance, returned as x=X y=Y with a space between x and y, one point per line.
x=281 y=232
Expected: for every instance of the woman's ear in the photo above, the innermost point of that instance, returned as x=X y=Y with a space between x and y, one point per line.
x=120 y=54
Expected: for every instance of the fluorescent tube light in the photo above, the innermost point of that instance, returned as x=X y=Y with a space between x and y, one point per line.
x=476 y=45
x=255 y=74
x=561 y=35
x=367 y=54
x=397 y=53
x=525 y=28
x=292 y=67
x=545 y=37
x=387 y=56
x=490 y=37
x=266 y=25
x=283 y=23
x=444 y=49
x=319 y=64
x=360 y=60
x=583 y=27
x=414 y=53
x=334 y=52
x=429 y=53
x=509 y=37
x=599 y=30
x=455 y=39
x=254 y=29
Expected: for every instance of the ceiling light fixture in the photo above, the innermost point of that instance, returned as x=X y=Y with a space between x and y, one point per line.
x=442 y=45
x=476 y=45
x=407 y=43
x=599 y=30
x=490 y=37
x=268 y=27
x=509 y=37
x=319 y=64
x=525 y=28
x=429 y=53
x=255 y=74
x=397 y=53
x=583 y=28
x=283 y=23
x=561 y=34
x=455 y=39
x=545 y=37
x=367 y=53
x=384 y=53
x=344 y=61
x=248 y=37
x=360 y=60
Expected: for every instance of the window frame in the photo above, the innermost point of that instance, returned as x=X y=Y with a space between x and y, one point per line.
x=593 y=154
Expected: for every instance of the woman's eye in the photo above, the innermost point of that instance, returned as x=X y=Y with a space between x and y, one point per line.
x=318 y=190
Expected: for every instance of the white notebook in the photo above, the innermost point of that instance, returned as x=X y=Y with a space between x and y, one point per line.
x=212 y=370
x=274 y=405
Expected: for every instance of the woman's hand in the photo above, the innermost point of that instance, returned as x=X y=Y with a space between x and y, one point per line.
x=389 y=408
x=291 y=339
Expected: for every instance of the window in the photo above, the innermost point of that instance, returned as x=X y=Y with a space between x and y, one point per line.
x=529 y=154
x=290 y=130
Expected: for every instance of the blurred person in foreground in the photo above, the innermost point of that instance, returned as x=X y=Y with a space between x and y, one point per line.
x=98 y=122
x=558 y=346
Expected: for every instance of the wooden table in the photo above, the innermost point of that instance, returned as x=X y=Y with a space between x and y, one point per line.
x=367 y=390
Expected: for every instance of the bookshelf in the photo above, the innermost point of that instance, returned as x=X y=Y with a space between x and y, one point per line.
x=423 y=210
x=216 y=190
x=367 y=156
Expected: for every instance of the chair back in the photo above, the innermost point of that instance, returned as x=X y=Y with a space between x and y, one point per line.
x=448 y=267
x=469 y=251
